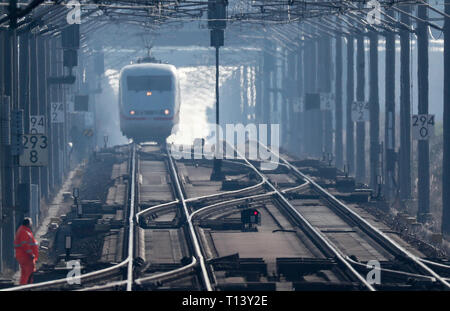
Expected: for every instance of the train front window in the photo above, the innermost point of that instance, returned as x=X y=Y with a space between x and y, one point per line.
x=149 y=83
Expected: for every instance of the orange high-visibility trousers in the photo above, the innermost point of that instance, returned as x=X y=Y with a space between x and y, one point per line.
x=27 y=267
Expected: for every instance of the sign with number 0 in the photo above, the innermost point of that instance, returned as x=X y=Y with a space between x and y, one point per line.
x=35 y=150
x=37 y=124
x=360 y=111
x=57 y=112
x=422 y=126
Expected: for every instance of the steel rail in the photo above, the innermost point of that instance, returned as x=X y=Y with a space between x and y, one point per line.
x=311 y=229
x=367 y=227
x=203 y=209
x=214 y=195
x=252 y=197
x=83 y=277
x=194 y=260
x=140 y=281
x=395 y=272
x=149 y=209
x=210 y=196
x=180 y=270
x=193 y=235
x=226 y=203
x=105 y=286
x=67 y=279
x=437 y=264
x=131 y=219
x=225 y=193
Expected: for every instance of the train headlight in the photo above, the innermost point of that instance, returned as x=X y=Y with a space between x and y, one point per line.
x=132 y=112
x=166 y=112
x=149 y=93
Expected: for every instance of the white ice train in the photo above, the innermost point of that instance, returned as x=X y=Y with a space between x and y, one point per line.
x=149 y=101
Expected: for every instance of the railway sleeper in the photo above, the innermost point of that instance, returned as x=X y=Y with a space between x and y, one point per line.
x=292 y=268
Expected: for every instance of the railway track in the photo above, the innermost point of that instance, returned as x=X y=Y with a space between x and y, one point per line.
x=118 y=275
x=418 y=267
x=185 y=233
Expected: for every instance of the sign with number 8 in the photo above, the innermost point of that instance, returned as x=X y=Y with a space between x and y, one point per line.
x=35 y=150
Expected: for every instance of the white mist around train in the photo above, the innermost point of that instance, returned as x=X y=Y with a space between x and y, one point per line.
x=238 y=141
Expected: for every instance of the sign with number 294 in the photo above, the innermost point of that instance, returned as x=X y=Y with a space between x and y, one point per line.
x=422 y=126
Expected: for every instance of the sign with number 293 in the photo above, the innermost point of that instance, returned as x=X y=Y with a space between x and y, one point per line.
x=35 y=150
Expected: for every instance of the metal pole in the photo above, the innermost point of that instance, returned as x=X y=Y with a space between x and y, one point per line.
x=43 y=107
x=49 y=51
x=245 y=95
x=311 y=139
x=3 y=128
x=423 y=213
x=267 y=65
x=300 y=82
x=11 y=171
x=310 y=66
x=258 y=89
x=360 y=126
x=274 y=87
x=23 y=100
x=324 y=85
x=60 y=126
x=405 y=111
x=291 y=79
x=446 y=153
x=33 y=96
x=8 y=187
x=217 y=169
x=339 y=143
x=374 y=112
x=15 y=105
x=389 y=122
x=55 y=126
x=350 y=131
x=284 y=99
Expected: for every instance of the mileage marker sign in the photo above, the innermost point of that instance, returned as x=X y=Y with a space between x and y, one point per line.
x=422 y=126
x=37 y=124
x=35 y=150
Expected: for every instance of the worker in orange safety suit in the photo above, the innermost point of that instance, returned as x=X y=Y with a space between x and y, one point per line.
x=27 y=252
